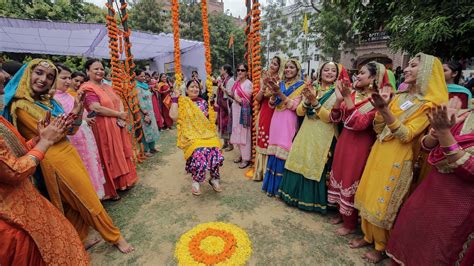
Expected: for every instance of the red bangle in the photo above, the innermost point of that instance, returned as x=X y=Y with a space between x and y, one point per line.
x=36 y=153
x=451 y=148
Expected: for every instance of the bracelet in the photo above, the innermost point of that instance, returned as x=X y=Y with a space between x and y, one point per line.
x=423 y=145
x=317 y=106
x=174 y=99
x=39 y=155
x=452 y=152
x=305 y=105
x=453 y=147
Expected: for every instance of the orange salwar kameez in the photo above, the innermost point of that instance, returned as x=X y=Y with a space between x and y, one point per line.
x=32 y=230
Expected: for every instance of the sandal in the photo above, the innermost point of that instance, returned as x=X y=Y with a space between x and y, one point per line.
x=230 y=148
x=244 y=165
x=196 y=190
x=217 y=188
x=238 y=160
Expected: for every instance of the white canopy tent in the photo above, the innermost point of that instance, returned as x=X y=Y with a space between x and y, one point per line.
x=91 y=40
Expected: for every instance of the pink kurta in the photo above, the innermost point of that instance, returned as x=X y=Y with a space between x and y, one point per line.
x=240 y=135
x=85 y=145
x=283 y=128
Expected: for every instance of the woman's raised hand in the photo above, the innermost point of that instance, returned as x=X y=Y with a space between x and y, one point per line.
x=53 y=131
x=386 y=93
x=78 y=102
x=439 y=119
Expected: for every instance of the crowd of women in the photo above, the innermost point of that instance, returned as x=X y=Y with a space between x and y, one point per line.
x=77 y=127
x=399 y=160
x=390 y=159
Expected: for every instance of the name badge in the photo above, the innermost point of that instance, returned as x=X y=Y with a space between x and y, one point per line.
x=406 y=105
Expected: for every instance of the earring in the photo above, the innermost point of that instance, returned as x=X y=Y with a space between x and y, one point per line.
x=371 y=86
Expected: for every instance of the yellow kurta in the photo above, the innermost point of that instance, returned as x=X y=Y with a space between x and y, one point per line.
x=310 y=150
x=388 y=173
x=69 y=185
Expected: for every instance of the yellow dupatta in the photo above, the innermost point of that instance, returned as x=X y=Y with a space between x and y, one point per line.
x=23 y=99
x=194 y=129
x=431 y=90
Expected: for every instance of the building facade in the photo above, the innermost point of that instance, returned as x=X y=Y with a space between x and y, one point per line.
x=373 y=47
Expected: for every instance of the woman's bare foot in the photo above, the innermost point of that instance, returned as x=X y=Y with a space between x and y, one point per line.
x=336 y=219
x=91 y=242
x=124 y=246
x=358 y=243
x=374 y=256
x=342 y=231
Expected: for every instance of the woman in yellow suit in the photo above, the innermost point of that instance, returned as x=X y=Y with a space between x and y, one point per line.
x=387 y=177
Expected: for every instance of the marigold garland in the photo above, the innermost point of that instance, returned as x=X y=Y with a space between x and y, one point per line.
x=177 y=51
x=207 y=47
x=122 y=75
x=214 y=243
x=256 y=69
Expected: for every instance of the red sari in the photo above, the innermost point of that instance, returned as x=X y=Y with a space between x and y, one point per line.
x=164 y=89
x=114 y=143
x=32 y=230
x=436 y=224
x=351 y=153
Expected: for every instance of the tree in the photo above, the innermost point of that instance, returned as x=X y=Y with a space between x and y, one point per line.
x=275 y=29
x=147 y=15
x=334 y=25
x=222 y=28
x=190 y=21
x=441 y=28
x=59 y=10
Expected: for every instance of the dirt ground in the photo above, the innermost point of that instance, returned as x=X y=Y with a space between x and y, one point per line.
x=154 y=214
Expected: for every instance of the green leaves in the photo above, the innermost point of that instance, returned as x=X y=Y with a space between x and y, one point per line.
x=147 y=15
x=441 y=28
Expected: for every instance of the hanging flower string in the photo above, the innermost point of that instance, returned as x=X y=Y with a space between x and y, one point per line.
x=256 y=69
x=207 y=47
x=123 y=82
x=177 y=51
x=248 y=40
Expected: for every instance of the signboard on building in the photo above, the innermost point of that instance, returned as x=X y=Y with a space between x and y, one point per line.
x=378 y=36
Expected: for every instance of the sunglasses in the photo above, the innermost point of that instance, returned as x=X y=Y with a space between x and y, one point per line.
x=241 y=70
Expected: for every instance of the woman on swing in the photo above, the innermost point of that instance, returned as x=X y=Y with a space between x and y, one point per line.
x=197 y=137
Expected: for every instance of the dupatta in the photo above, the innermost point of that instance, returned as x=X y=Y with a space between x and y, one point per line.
x=430 y=88
x=19 y=94
x=455 y=88
x=194 y=129
x=246 y=108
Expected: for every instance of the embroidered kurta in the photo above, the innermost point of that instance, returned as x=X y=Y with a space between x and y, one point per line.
x=436 y=224
x=385 y=182
x=32 y=230
x=311 y=146
x=350 y=156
